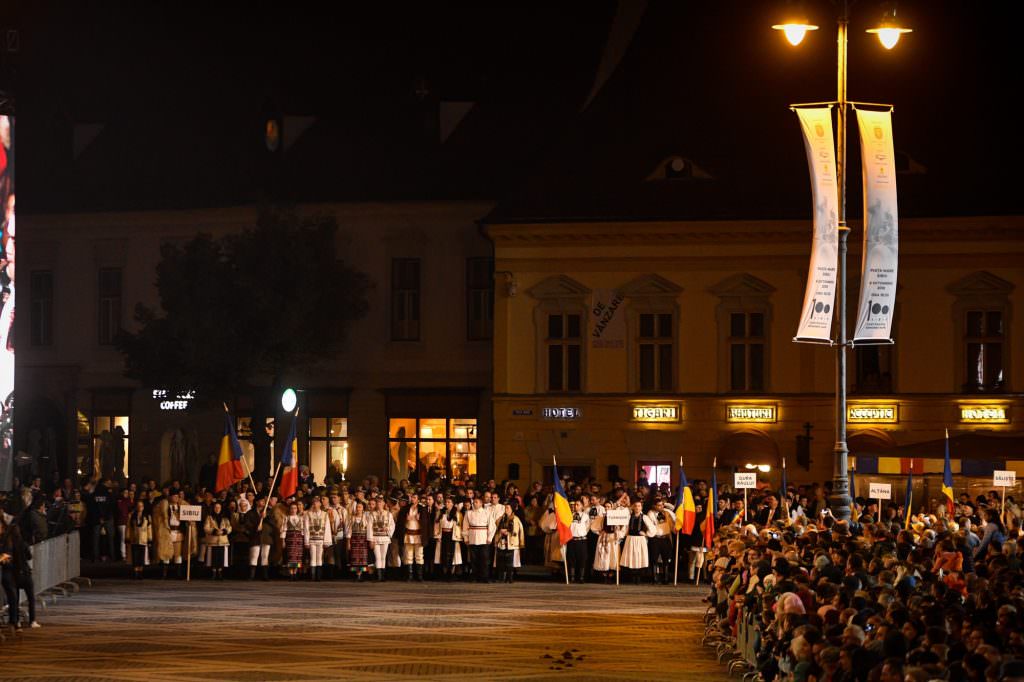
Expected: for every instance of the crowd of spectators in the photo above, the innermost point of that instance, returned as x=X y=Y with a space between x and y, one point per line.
x=881 y=597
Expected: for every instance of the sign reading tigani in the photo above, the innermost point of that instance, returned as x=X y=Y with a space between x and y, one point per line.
x=656 y=413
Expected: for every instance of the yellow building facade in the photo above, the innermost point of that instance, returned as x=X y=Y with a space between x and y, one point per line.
x=620 y=347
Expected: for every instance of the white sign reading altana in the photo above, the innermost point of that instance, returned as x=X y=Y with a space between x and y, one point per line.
x=617 y=517
x=190 y=512
x=745 y=481
x=880 y=491
x=1004 y=479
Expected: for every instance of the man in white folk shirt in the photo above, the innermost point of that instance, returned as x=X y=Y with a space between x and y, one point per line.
x=595 y=511
x=659 y=545
x=576 y=550
x=381 y=528
x=339 y=519
x=478 y=530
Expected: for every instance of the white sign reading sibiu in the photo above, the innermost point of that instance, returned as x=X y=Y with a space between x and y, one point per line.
x=880 y=491
x=190 y=512
x=1004 y=479
x=745 y=481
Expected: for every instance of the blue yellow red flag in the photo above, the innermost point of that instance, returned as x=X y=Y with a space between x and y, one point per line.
x=947 y=480
x=563 y=513
x=229 y=459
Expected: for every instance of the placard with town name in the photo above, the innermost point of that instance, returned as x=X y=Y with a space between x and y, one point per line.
x=190 y=512
x=745 y=481
x=1004 y=479
x=880 y=491
x=617 y=517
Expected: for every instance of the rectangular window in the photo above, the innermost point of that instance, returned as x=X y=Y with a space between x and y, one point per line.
x=746 y=351
x=479 y=298
x=874 y=369
x=109 y=305
x=328 y=446
x=405 y=299
x=983 y=345
x=41 y=293
x=565 y=352
x=423 y=450
x=655 y=344
x=109 y=445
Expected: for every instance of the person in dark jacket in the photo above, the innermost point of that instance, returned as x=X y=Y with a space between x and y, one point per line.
x=34 y=525
x=15 y=573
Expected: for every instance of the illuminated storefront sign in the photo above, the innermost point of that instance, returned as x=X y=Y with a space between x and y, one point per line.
x=872 y=414
x=984 y=414
x=750 y=414
x=169 y=403
x=656 y=413
x=561 y=413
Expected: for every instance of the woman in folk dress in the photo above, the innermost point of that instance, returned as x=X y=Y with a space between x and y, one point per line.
x=358 y=531
x=139 y=533
x=608 y=547
x=448 y=539
x=634 y=552
x=294 y=540
x=216 y=530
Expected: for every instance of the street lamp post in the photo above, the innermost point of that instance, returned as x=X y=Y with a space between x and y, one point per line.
x=889 y=31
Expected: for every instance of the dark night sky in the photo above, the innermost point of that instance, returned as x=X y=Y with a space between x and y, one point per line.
x=182 y=92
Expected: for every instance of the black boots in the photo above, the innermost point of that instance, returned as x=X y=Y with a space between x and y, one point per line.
x=263 y=573
x=252 y=573
x=419 y=572
x=408 y=578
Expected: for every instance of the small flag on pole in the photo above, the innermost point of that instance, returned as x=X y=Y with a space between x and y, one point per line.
x=709 y=517
x=229 y=460
x=686 y=509
x=947 y=480
x=289 y=464
x=909 y=500
x=563 y=513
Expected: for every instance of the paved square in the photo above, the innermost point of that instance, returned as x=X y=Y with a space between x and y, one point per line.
x=167 y=630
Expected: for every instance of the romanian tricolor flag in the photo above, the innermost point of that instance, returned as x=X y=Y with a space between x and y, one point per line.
x=947 y=480
x=229 y=461
x=563 y=513
x=709 y=517
x=289 y=464
x=909 y=499
x=686 y=509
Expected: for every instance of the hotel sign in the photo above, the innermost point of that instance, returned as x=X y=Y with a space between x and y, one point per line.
x=872 y=414
x=561 y=413
x=751 y=414
x=984 y=414
x=656 y=413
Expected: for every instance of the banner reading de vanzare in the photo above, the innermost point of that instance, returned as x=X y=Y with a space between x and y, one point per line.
x=881 y=233
x=819 y=297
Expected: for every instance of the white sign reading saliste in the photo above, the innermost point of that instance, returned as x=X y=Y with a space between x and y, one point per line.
x=880 y=491
x=190 y=512
x=745 y=481
x=617 y=517
x=1004 y=479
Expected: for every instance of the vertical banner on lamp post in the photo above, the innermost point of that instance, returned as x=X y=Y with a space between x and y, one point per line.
x=819 y=297
x=881 y=233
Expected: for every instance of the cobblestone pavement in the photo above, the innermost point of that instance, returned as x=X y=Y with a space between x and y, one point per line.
x=169 y=630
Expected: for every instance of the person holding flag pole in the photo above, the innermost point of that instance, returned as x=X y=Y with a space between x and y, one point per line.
x=909 y=499
x=563 y=517
x=686 y=515
x=709 y=517
x=947 y=483
x=783 y=497
x=289 y=464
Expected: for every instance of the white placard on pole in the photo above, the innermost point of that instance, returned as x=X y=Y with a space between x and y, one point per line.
x=617 y=517
x=744 y=481
x=1005 y=479
x=881 y=491
x=190 y=512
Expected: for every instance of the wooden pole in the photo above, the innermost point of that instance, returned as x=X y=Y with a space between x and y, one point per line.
x=675 y=579
x=188 y=552
x=616 y=558
x=270 y=492
x=1002 y=511
x=565 y=563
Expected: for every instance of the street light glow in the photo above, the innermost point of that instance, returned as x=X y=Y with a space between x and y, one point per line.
x=889 y=29
x=795 y=30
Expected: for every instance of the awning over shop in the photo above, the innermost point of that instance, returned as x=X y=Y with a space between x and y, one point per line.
x=971 y=454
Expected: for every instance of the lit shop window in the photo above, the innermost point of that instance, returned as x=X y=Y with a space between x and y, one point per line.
x=328 y=438
x=427 y=449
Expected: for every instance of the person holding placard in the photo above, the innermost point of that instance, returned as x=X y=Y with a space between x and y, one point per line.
x=607 y=551
x=634 y=552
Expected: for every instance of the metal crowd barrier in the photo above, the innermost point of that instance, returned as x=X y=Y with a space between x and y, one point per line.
x=56 y=564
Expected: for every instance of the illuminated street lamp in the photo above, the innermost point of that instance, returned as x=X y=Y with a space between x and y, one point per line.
x=889 y=32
